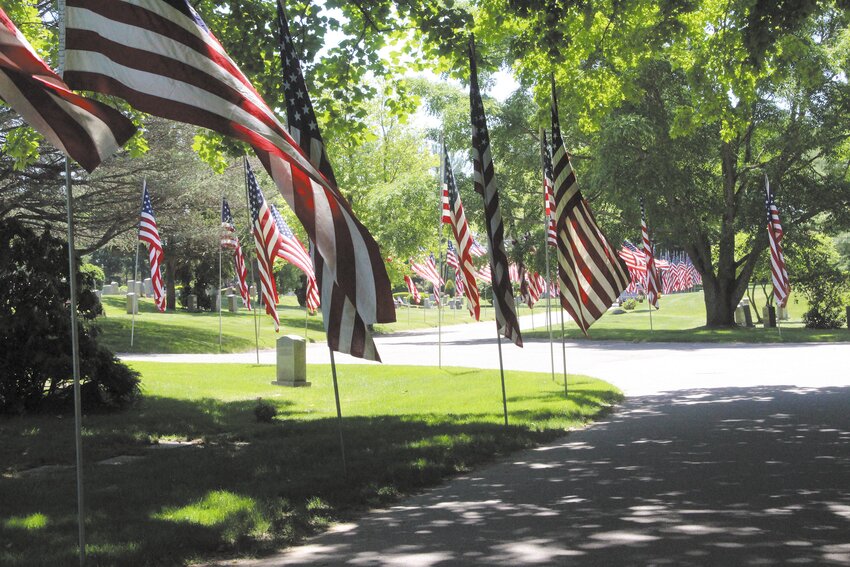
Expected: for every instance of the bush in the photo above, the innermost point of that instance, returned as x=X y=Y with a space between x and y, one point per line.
x=629 y=304
x=264 y=411
x=35 y=364
x=825 y=288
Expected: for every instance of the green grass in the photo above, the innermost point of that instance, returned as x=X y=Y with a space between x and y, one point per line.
x=184 y=332
x=246 y=488
x=681 y=318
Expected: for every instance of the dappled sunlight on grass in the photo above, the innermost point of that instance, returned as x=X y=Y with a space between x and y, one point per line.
x=247 y=487
x=32 y=522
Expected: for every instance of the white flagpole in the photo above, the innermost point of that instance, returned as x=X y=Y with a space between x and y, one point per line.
x=338 y=413
x=75 y=339
x=136 y=267
x=502 y=373
x=218 y=299
x=253 y=274
x=546 y=222
x=440 y=252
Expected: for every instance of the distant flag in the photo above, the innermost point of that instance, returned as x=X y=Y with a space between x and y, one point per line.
x=485 y=185
x=446 y=217
x=513 y=273
x=451 y=257
x=86 y=130
x=268 y=242
x=411 y=289
x=149 y=234
x=230 y=241
x=779 y=273
x=524 y=291
x=292 y=250
x=476 y=249
x=653 y=283
x=548 y=191
x=464 y=268
x=485 y=275
x=590 y=273
x=427 y=270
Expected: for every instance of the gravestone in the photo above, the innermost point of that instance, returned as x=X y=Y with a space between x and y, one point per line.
x=291 y=361
x=132 y=303
x=140 y=288
x=148 y=286
x=748 y=315
x=97 y=294
x=232 y=303
x=739 y=316
x=426 y=303
x=192 y=302
x=782 y=313
x=768 y=313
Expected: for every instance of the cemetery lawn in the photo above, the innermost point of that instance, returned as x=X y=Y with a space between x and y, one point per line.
x=243 y=488
x=184 y=332
x=681 y=318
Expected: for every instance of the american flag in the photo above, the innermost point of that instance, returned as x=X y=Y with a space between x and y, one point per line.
x=476 y=249
x=485 y=274
x=464 y=268
x=161 y=57
x=360 y=267
x=411 y=288
x=653 y=283
x=427 y=270
x=534 y=283
x=451 y=257
x=229 y=240
x=779 y=274
x=268 y=242
x=485 y=185
x=86 y=130
x=513 y=273
x=548 y=190
x=149 y=234
x=590 y=273
x=446 y=217
x=294 y=252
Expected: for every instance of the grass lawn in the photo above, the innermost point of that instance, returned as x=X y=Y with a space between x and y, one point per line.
x=681 y=318
x=184 y=332
x=245 y=488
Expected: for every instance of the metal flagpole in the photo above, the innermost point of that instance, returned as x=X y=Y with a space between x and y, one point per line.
x=306 y=315
x=547 y=219
x=440 y=252
x=75 y=339
x=649 y=305
x=253 y=273
x=136 y=267
x=564 y=351
x=338 y=413
x=219 y=281
x=502 y=372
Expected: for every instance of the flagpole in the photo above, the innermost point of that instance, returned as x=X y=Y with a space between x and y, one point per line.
x=564 y=352
x=219 y=280
x=253 y=273
x=136 y=267
x=502 y=372
x=338 y=413
x=75 y=339
x=546 y=222
x=440 y=251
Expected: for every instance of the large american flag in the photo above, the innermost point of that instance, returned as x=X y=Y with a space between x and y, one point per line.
x=548 y=190
x=465 y=269
x=149 y=234
x=653 y=282
x=485 y=185
x=161 y=57
x=230 y=241
x=294 y=252
x=86 y=130
x=778 y=271
x=346 y=321
x=267 y=241
x=590 y=274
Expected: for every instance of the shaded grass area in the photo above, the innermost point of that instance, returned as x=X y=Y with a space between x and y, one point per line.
x=681 y=318
x=245 y=488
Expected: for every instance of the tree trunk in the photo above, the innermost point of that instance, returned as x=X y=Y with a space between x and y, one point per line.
x=720 y=303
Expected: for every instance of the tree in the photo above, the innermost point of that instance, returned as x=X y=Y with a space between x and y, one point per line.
x=35 y=367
